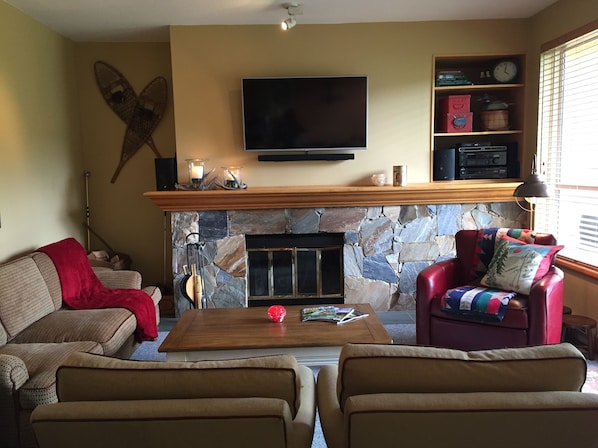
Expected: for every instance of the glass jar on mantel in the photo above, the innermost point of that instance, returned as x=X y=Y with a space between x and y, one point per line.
x=196 y=171
x=231 y=177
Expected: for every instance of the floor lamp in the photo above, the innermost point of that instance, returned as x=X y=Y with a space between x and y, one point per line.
x=532 y=188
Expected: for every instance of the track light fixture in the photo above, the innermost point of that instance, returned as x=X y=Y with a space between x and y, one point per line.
x=289 y=23
x=292 y=10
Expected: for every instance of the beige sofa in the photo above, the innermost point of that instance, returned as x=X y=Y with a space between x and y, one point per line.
x=386 y=396
x=266 y=402
x=37 y=333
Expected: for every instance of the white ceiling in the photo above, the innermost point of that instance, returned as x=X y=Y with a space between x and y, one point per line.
x=148 y=20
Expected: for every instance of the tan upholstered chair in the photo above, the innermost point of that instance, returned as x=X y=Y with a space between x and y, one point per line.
x=392 y=395
x=263 y=402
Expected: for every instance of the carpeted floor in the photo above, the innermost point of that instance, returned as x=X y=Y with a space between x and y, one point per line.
x=400 y=326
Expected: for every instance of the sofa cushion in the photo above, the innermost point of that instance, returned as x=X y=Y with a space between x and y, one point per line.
x=110 y=327
x=191 y=422
x=42 y=361
x=24 y=296
x=50 y=274
x=116 y=379
x=412 y=369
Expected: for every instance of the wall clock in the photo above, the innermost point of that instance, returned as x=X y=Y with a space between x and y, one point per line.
x=505 y=71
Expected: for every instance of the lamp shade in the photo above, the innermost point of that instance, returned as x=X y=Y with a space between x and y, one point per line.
x=532 y=187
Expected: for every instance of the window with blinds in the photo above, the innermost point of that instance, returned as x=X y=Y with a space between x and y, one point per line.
x=568 y=145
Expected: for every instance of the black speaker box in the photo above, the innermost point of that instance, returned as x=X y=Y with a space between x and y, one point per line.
x=513 y=163
x=444 y=164
x=166 y=173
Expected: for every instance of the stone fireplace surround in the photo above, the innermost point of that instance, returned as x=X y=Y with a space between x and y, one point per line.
x=385 y=247
x=390 y=233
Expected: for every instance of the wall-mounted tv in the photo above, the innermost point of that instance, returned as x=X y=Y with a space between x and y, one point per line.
x=305 y=113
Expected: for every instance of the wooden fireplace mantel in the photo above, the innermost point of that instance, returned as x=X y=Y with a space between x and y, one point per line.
x=254 y=198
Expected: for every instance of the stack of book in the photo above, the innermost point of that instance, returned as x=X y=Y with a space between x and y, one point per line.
x=451 y=78
x=331 y=313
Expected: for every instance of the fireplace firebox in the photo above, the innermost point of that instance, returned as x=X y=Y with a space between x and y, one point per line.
x=299 y=269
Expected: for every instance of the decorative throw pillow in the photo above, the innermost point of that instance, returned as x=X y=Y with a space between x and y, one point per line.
x=488 y=240
x=516 y=266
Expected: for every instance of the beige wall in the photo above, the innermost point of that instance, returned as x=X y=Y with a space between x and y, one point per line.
x=581 y=292
x=41 y=198
x=54 y=124
x=119 y=213
x=208 y=63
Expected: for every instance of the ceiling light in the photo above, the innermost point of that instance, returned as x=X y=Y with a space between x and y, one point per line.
x=289 y=23
x=292 y=10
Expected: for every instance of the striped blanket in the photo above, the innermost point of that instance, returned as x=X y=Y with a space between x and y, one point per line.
x=477 y=302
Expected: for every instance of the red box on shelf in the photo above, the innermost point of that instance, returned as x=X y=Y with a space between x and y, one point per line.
x=456 y=104
x=462 y=122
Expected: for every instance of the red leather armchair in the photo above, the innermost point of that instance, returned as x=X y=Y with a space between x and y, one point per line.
x=529 y=320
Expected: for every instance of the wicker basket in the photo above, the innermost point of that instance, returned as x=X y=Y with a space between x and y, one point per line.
x=495 y=120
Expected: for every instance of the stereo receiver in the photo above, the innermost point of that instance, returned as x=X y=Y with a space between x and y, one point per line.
x=499 y=172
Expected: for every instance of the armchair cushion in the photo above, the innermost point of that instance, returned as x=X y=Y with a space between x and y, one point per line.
x=516 y=266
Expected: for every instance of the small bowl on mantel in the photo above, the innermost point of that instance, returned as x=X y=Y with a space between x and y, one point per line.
x=379 y=179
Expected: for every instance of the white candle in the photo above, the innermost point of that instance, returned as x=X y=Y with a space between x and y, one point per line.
x=197 y=172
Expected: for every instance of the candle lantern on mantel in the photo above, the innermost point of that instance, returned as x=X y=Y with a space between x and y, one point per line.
x=231 y=176
x=196 y=172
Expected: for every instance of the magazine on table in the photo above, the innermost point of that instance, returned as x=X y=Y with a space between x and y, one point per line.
x=354 y=315
x=331 y=313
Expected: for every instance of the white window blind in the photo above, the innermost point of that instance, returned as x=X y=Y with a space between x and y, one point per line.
x=568 y=145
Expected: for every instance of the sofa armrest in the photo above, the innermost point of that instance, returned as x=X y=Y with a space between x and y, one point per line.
x=119 y=279
x=13 y=372
x=331 y=416
x=154 y=292
x=432 y=282
x=545 y=304
x=304 y=421
x=156 y=295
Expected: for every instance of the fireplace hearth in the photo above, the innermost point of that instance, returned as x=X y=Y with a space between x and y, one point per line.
x=295 y=269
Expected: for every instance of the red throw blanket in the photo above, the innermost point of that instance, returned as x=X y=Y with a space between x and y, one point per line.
x=82 y=290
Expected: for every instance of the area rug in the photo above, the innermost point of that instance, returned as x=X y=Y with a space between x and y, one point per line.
x=148 y=350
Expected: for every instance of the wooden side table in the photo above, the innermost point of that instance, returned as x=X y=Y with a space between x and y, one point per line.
x=567 y=310
x=581 y=332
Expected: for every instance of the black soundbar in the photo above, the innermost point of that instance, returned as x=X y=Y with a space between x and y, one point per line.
x=304 y=156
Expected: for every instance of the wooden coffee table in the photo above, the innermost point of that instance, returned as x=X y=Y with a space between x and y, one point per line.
x=226 y=333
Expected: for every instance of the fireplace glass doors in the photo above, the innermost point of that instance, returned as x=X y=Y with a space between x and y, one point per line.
x=295 y=269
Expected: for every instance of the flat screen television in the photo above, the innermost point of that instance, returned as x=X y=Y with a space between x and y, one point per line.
x=305 y=113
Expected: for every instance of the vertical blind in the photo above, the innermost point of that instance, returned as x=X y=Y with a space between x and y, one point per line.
x=568 y=145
